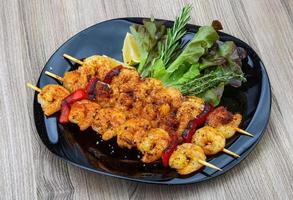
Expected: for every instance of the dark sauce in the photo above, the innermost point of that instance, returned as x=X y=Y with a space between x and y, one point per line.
x=109 y=156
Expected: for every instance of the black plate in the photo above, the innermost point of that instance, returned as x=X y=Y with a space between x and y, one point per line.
x=253 y=100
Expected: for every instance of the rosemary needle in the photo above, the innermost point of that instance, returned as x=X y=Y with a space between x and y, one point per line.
x=171 y=45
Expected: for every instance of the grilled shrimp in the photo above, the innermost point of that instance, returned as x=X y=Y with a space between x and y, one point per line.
x=145 y=88
x=126 y=81
x=106 y=120
x=185 y=158
x=101 y=65
x=189 y=109
x=209 y=139
x=152 y=144
x=74 y=80
x=131 y=132
x=122 y=101
x=94 y=65
x=169 y=95
x=224 y=121
x=50 y=98
x=83 y=113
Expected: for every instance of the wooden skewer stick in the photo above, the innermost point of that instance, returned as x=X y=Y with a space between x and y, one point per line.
x=33 y=87
x=244 y=132
x=231 y=153
x=62 y=79
x=209 y=165
x=59 y=78
x=72 y=59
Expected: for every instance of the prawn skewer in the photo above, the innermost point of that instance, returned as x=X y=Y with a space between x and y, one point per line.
x=211 y=141
x=50 y=97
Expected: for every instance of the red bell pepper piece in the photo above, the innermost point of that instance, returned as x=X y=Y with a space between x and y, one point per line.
x=196 y=122
x=96 y=87
x=77 y=95
x=68 y=101
x=65 y=109
x=113 y=72
x=91 y=87
x=169 y=150
x=189 y=131
x=102 y=90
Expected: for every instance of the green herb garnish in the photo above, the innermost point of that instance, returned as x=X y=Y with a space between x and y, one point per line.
x=172 y=45
x=202 y=68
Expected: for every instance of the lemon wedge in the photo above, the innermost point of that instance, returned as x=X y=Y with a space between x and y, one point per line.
x=130 y=50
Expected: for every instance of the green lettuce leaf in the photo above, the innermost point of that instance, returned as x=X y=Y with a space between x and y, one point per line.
x=198 y=46
x=185 y=67
x=149 y=37
x=213 y=95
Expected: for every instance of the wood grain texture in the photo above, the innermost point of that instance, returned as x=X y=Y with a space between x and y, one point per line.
x=30 y=31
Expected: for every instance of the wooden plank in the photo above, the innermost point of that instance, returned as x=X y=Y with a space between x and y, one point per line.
x=30 y=31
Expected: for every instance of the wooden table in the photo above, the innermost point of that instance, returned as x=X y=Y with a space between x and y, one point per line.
x=30 y=31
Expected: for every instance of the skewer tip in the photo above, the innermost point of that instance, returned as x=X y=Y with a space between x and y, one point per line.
x=59 y=78
x=209 y=165
x=244 y=132
x=72 y=59
x=231 y=153
x=33 y=87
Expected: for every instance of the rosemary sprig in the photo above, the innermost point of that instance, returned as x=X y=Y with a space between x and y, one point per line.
x=208 y=81
x=171 y=46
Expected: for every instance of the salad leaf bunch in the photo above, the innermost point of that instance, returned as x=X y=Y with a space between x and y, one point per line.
x=202 y=67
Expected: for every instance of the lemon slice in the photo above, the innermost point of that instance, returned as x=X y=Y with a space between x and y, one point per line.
x=130 y=50
x=115 y=62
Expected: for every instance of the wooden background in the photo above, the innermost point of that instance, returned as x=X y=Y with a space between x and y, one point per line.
x=30 y=31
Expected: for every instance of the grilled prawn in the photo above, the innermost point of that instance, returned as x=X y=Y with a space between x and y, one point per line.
x=106 y=120
x=185 y=159
x=83 y=113
x=188 y=110
x=224 y=121
x=209 y=139
x=51 y=97
x=131 y=132
x=152 y=144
